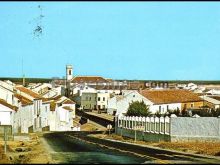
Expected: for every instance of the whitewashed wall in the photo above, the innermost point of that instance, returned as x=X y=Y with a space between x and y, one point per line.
x=45 y=112
x=112 y=105
x=6 y=115
x=6 y=95
x=73 y=107
x=123 y=104
x=101 y=102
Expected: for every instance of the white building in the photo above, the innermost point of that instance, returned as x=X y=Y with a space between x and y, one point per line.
x=211 y=102
x=102 y=100
x=7 y=92
x=62 y=112
x=41 y=88
x=39 y=111
x=213 y=92
x=158 y=100
x=120 y=104
x=7 y=113
x=79 y=89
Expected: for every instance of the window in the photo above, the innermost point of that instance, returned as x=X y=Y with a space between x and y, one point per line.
x=167 y=107
x=133 y=95
x=98 y=98
x=46 y=108
x=191 y=105
x=90 y=98
x=69 y=72
x=103 y=98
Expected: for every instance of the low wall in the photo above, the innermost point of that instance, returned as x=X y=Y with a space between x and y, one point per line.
x=169 y=129
x=140 y=135
x=195 y=129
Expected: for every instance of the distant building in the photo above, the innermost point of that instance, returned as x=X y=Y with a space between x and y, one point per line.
x=69 y=72
x=89 y=100
x=166 y=99
x=212 y=102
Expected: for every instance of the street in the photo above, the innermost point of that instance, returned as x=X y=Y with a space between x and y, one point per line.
x=64 y=149
x=78 y=148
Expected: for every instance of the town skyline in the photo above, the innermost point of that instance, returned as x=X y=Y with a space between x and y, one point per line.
x=117 y=40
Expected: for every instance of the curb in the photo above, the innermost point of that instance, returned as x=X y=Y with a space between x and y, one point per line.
x=162 y=149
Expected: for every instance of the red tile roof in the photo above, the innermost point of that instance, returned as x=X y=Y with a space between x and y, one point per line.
x=57 y=98
x=170 y=96
x=29 y=92
x=68 y=101
x=3 y=102
x=68 y=108
x=89 y=79
x=24 y=100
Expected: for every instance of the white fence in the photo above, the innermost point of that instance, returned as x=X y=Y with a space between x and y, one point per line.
x=157 y=125
x=170 y=128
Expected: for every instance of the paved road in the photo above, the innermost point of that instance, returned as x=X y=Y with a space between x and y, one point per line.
x=64 y=149
x=79 y=148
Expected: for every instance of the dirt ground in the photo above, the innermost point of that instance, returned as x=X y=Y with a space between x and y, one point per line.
x=90 y=126
x=24 y=152
x=207 y=148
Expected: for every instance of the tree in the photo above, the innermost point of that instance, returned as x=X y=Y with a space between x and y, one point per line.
x=158 y=114
x=184 y=113
x=137 y=108
x=175 y=111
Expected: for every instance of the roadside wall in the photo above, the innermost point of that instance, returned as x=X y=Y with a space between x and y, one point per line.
x=169 y=129
x=195 y=129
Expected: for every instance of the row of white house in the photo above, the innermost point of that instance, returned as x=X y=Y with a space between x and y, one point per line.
x=117 y=101
x=157 y=100
x=27 y=111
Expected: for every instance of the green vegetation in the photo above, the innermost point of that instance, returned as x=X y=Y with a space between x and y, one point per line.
x=27 y=80
x=137 y=108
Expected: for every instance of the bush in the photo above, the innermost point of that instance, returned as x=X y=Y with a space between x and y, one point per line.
x=137 y=108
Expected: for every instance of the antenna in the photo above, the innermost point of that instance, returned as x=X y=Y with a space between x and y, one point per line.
x=23 y=76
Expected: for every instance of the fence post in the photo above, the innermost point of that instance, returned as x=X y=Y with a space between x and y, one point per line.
x=145 y=124
x=5 y=138
x=154 y=125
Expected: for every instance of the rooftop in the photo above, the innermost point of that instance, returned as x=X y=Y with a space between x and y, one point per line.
x=24 y=100
x=89 y=79
x=3 y=102
x=29 y=92
x=170 y=96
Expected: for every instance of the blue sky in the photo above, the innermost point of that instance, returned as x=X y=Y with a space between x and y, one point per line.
x=119 y=40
